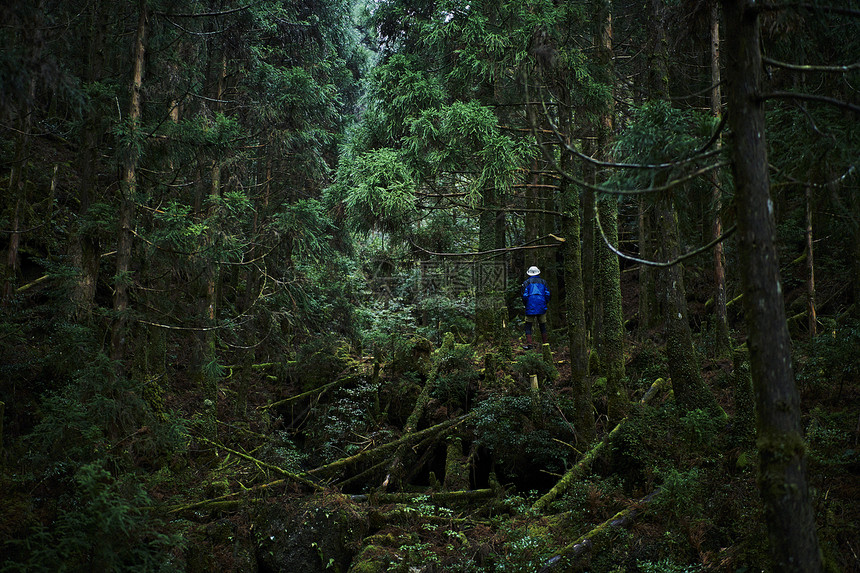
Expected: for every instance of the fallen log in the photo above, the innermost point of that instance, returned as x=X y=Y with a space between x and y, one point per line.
x=437 y=430
x=440 y=497
x=395 y=468
x=289 y=475
x=584 y=463
x=216 y=501
x=584 y=544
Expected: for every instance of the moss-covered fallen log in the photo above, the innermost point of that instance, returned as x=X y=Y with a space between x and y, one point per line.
x=215 y=502
x=585 y=462
x=289 y=475
x=440 y=497
x=395 y=469
x=339 y=381
x=437 y=430
x=572 y=551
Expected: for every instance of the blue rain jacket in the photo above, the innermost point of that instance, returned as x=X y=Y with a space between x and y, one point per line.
x=536 y=295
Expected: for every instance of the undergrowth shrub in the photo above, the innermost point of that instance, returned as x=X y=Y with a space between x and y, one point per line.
x=455 y=371
x=338 y=427
x=101 y=525
x=832 y=358
x=533 y=363
x=526 y=433
x=700 y=428
x=319 y=361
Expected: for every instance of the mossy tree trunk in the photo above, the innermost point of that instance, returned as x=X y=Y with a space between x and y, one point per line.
x=587 y=251
x=782 y=453
x=612 y=339
x=683 y=361
x=649 y=310
x=575 y=306
x=689 y=386
x=574 y=302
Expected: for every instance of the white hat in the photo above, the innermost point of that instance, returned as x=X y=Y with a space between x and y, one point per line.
x=533 y=271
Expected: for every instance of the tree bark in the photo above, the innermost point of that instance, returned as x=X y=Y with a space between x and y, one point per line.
x=722 y=346
x=683 y=361
x=612 y=347
x=127 y=191
x=648 y=308
x=782 y=454
x=584 y=422
x=83 y=247
x=810 y=267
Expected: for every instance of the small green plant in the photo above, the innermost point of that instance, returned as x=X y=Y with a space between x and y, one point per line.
x=700 y=427
x=533 y=363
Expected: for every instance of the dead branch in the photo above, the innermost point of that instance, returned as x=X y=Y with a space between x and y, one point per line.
x=437 y=430
x=282 y=471
x=441 y=497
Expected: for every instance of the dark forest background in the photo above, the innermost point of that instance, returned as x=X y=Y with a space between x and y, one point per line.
x=261 y=285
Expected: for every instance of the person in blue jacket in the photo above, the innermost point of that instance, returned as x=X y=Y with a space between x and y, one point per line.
x=536 y=297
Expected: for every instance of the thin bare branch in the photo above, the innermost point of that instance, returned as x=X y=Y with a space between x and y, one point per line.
x=811 y=97
x=523 y=247
x=728 y=233
x=812 y=7
x=811 y=68
x=206 y=14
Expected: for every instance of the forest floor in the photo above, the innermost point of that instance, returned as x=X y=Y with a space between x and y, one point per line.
x=668 y=493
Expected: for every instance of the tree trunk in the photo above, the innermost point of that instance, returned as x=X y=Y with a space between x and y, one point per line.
x=489 y=296
x=575 y=307
x=690 y=389
x=83 y=247
x=683 y=362
x=782 y=453
x=127 y=191
x=612 y=348
x=648 y=307
x=810 y=267
x=16 y=195
x=588 y=248
x=722 y=341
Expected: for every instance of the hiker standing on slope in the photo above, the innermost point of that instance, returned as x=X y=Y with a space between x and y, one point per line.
x=536 y=297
